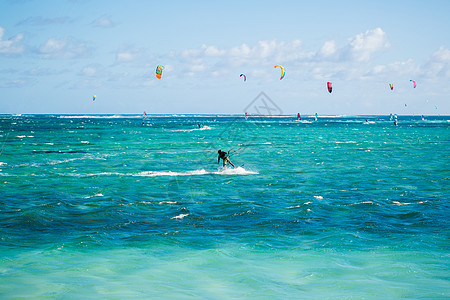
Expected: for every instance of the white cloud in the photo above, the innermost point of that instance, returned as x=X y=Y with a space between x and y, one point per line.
x=438 y=65
x=12 y=45
x=328 y=49
x=53 y=45
x=443 y=54
x=65 y=48
x=264 y=49
x=395 y=69
x=364 y=45
x=351 y=61
x=359 y=48
x=213 y=51
x=220 y=61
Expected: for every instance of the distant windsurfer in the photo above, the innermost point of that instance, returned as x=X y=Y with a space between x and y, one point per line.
x=224 y=156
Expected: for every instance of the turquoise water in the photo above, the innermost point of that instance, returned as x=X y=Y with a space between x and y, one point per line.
x=108 y=207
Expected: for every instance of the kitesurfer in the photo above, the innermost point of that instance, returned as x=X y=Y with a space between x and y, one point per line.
x=224 y=156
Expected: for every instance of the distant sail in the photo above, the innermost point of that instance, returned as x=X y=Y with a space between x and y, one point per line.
x=245 y=116
x=298 y=117
x=315 y=117
x=391 y=86
x=93 y=97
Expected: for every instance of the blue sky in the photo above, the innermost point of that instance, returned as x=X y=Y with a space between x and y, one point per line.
x=55 y=55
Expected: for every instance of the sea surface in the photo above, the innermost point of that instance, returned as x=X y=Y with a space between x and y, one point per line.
x=122 y=207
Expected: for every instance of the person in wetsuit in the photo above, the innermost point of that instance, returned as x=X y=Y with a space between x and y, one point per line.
x=224 y=157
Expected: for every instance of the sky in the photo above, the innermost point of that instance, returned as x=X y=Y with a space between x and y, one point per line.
x=55 y=55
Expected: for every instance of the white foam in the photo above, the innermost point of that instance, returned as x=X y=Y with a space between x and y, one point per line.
x=221 y=171
x=193 y=129
x=224 y=171
x=96 y=195
x=235 y=171
x=179 y=217
x=295 y=206
x=399 y=203
x=167 y=202
x=318 y=197
x=170 y=173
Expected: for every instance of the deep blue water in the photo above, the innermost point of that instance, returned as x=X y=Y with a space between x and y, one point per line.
x=109 y=207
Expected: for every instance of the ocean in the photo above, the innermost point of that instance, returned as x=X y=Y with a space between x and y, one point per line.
x=122 y=207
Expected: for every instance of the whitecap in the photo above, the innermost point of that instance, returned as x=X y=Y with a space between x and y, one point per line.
x=399 y=203
x=318 y=197
x=295 y=206
x=179 y=217
x=96 y=195
x=167 y=202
